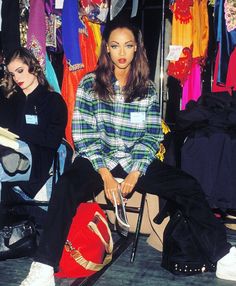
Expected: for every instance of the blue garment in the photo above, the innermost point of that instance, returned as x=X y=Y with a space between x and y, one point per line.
x=51 y=75
x=71 y=25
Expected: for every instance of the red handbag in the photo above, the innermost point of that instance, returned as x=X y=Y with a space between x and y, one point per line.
x=89 y=243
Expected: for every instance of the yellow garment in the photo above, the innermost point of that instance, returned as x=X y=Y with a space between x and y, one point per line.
x=195 y=33
x=200 y=33
x=181 y=33
x=162 y=150
x=96 y=29
x=161 y=153
x=212 y=2
x=165 y=127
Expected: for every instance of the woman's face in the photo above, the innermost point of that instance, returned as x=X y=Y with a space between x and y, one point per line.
x=121 y=46
x=20 y=74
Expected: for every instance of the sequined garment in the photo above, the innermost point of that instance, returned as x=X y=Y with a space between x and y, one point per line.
x=230 y=14
x=53 y=27
x=23 y=24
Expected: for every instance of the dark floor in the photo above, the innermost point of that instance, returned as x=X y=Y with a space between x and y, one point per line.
x=146 y=270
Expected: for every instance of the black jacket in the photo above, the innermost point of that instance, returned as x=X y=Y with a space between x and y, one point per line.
x=44 y=137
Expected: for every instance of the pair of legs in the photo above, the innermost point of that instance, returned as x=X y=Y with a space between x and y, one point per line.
x=81 y=182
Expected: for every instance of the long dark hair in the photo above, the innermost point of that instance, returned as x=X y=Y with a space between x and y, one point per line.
x=136 y=85
x=23 y=54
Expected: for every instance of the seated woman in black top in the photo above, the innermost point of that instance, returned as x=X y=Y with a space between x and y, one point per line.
x=34 y=112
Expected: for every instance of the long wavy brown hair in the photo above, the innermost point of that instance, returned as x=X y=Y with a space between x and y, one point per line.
x=136 y=85
x=23 y=54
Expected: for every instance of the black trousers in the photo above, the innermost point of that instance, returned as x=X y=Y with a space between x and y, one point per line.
x=81 y=182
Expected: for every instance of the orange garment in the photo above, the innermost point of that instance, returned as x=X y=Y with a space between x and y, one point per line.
x=71 y=79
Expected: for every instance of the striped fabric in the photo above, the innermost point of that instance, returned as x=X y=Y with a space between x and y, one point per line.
x=112 y=133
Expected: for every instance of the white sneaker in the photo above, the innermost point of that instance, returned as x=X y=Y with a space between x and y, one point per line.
x=225 y=268
x=39 y=275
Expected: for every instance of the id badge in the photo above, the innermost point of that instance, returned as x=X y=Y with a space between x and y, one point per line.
x=31 y=119
x=137 y=117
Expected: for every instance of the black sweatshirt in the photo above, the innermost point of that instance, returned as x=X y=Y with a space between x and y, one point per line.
x=40 y=120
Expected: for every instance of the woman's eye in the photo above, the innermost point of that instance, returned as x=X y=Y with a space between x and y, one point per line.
x=20 y=71
x=114 y=46
x=130 y=46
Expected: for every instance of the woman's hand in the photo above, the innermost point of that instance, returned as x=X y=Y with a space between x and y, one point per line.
x=129 y=182
x=110 y=185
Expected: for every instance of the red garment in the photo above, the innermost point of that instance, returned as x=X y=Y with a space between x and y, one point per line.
x=182 y=68
x=181 y=10
x=231 y=78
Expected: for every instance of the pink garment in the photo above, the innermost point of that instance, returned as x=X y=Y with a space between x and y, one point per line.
x=192 y=88
x=36 y=35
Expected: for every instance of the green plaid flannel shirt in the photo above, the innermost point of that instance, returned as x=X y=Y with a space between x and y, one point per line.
x=112 y=133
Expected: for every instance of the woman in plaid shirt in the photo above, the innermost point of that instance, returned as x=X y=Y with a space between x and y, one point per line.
x=117 y=131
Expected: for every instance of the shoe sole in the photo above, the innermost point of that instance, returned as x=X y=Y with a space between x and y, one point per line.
x=231 y=216
x=231 y=226
x=225 y=277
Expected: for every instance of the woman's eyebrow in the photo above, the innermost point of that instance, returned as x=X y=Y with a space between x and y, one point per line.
x=18 y=68
x=130 y=41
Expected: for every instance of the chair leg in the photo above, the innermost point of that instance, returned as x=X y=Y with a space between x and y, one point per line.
x=137 y=232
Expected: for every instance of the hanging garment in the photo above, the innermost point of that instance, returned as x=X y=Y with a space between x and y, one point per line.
x=181 y=10
x=24 y=6
x=36 y=35
x=97 y=35
x=71 y=79
x=95 y=10
x=230 y=83
x=192 y=87
x=115 y=7
x=71 y=26
x=51 y=75
x=226 y=40
x=54 y=27
x=10 y=35
x=191 y=33
x=230 y=15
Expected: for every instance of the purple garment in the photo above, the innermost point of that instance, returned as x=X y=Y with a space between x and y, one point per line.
x=54 y=27
x=36 y=36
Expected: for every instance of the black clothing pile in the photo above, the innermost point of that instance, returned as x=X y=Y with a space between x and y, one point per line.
x=209 y=150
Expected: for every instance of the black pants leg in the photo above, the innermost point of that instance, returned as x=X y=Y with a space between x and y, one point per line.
x=80 y=182
x=175 y=185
